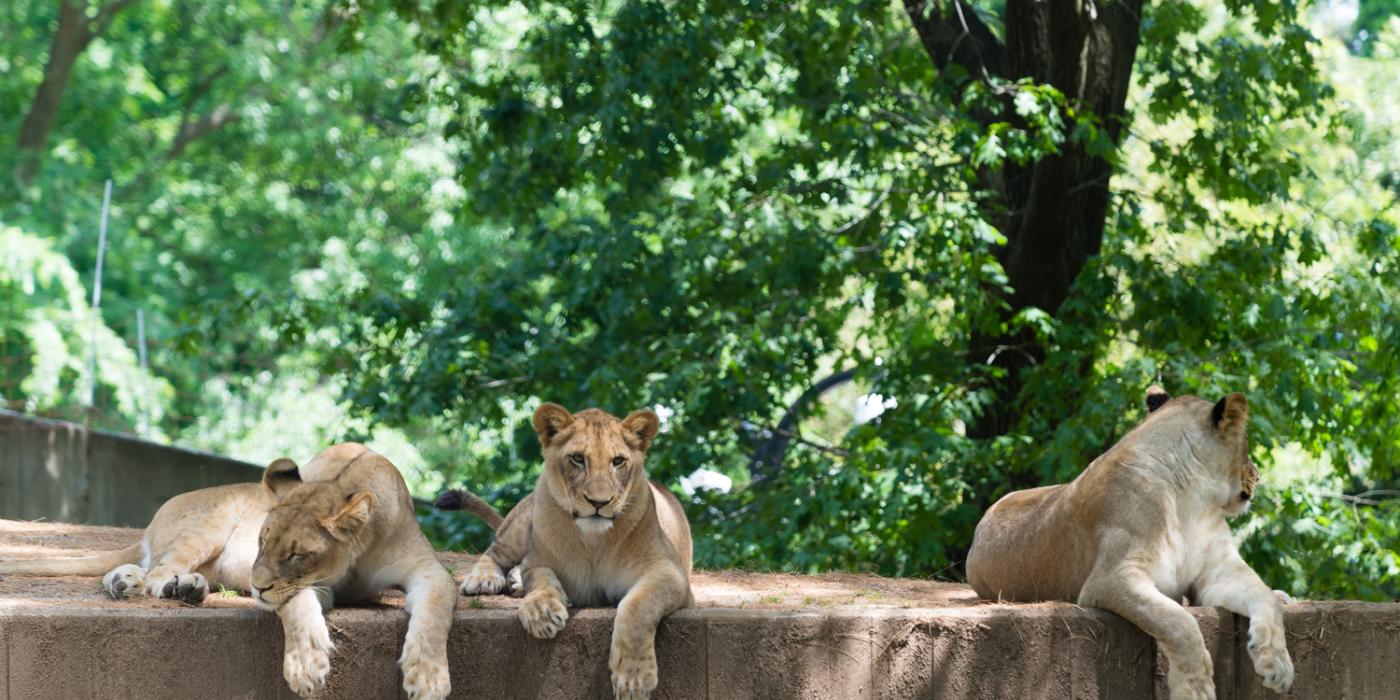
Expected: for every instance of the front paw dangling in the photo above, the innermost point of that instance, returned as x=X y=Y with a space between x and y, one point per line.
x=634 y=677
x=1270 y=655
x=305 y=669
x=543 y=615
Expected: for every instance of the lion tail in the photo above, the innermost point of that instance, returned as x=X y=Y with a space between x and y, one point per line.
x=74 y=566
x=462 y=499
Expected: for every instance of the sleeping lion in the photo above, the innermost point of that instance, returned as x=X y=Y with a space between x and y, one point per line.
x=339 y=529
x=1141 y=527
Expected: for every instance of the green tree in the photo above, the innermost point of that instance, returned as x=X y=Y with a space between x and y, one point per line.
x=720 y=207
x=998 y=222
x=47 y=334
x=262 y=176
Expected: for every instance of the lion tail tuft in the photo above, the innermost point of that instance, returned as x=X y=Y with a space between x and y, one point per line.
x=462 y=499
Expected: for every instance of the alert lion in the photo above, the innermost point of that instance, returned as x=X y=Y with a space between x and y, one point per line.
x=595 y=531
x=1141 y=527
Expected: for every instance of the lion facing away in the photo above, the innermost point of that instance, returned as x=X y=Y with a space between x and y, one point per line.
x=595 y=531
x=1141 y=527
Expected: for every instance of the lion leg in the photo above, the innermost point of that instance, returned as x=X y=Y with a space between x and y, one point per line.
x=1232 y=585
x=173 y=574
x=515 y=582
x=124 y=581
x=429 y=598
x=546 y=607
x=307 y=643
x=485 y=578
x=488 y=575
x=1131 y=594
x=632 y=658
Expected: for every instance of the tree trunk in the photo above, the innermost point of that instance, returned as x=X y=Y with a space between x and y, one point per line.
x=771 y=450
x=75 y=31
x=1052 y=211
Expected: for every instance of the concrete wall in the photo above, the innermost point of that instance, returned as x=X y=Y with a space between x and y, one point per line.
x=58 y=471
x=1340 y=650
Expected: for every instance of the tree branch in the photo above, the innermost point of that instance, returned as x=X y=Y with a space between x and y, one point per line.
x=222 y=116
x=768 y=455
x=202 y=87
x=951 y=32
x=106 y=14
x=75 y=31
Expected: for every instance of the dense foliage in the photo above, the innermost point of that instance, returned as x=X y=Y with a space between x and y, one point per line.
x=787 y=226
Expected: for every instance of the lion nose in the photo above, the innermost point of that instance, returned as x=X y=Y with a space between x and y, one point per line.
x=597 y=504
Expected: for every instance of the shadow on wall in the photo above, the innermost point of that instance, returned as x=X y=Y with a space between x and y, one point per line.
x=58 y=471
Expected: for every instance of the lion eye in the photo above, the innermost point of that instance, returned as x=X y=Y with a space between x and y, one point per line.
x=577 y=459
x=295 y=556
x=618 y=460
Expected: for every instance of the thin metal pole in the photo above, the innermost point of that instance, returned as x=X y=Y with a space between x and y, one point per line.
x=145 y=375
x=97 y=298
x=85 y=479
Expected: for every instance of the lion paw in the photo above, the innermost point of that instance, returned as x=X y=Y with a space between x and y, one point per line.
x=1270 y=655
x=425 y=678
x=1190 y=685
x=189 y=588
x=305 y=669
x=483 y=580
x=515 y=583
x=543 y=615
x=633 y=678
x=124 y=581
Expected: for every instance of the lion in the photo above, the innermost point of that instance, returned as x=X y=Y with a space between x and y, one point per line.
x=594 y=532
x=341 y=528
x=195 y=540
x=347 y=533
x=1142 y=527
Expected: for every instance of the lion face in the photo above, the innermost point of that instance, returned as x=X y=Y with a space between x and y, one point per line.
x=1227 y=421
x=306 y=541
x=591 y=460
x=1225 y=435
x=1245 y=479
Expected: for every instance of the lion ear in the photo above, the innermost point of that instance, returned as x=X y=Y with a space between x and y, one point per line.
x=352 y=516
x=1230 y=413
x=1156 y=397
x=281 y=476
x=644 y=424
x=550 y=418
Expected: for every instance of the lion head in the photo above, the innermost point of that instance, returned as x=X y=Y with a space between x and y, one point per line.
x=592 y=460
x=306 y=540
x=1220 y=429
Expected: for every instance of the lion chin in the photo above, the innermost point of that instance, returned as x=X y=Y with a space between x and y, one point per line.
x=593 y=525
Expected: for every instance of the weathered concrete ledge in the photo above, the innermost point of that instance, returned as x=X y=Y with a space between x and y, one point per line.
x=751 y=636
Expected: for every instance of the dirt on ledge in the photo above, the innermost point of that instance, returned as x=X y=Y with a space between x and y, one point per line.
x=713 y=589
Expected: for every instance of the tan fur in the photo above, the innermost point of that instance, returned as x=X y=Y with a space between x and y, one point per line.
x=346 y=534
x=1141 y=527
x=196 y=539
x=595 y=533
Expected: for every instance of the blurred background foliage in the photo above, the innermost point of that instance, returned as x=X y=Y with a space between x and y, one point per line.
x=874 y=264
